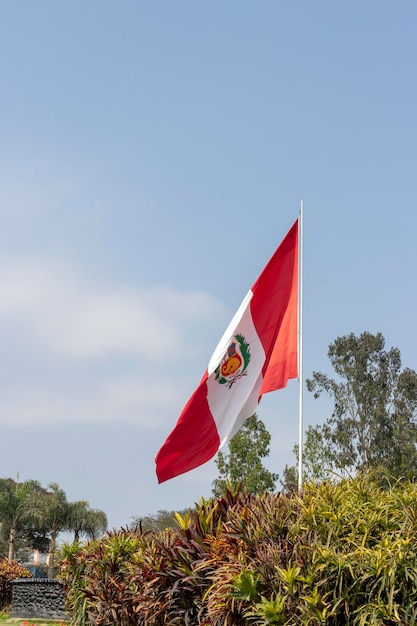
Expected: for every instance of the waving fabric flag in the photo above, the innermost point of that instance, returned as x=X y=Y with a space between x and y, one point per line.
x=257 y=354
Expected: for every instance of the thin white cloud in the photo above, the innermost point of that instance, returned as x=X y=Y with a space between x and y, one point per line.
x=91 y=354
x=144 y=401
x=65 y=314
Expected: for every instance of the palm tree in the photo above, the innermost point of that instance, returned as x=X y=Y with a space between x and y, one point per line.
x=85 y=521
x=53 y=513
x=17 y=501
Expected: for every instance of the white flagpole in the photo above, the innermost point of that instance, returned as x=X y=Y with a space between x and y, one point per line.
x=300 y=348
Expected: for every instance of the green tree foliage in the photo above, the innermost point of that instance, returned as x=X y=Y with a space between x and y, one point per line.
x=159 y=521
x=17 y=507
x=84 y=521
x=319 y=460
x=243 y=463
x=373 y=423
x=53 y=513
x=32 y=517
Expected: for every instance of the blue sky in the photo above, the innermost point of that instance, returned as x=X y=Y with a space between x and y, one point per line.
x=152 y=157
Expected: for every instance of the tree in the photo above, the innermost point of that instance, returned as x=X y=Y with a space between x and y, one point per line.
x=318 y=460
x=32 y=517
x=84 y=521
x=373 y=423
x=159 y=521
x=53 y=515
x=17 y=505
x=243 y=464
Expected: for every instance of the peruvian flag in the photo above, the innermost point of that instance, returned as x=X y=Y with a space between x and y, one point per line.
x=257 y=354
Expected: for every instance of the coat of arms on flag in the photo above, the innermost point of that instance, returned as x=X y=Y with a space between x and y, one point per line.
x=234 y=363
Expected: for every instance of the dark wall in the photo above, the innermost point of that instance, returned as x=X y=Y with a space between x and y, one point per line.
x=38 y=597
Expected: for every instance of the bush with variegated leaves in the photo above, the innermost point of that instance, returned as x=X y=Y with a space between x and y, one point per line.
x=339 y=554
x=10 y=570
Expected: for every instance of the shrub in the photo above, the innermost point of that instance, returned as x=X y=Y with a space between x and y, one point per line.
x=338 y=554
x=10 y=570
